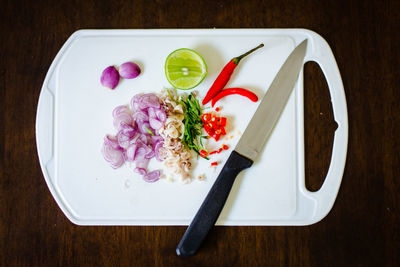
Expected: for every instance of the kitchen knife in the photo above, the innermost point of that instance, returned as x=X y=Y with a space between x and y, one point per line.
x=245 y=152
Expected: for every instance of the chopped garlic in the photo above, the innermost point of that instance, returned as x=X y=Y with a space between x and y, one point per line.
x=176 y=157
x=201 y=177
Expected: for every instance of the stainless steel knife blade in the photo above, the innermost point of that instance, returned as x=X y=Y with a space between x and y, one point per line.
x=272 y=105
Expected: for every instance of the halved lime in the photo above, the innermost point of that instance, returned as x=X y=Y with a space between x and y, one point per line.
x=185 y=68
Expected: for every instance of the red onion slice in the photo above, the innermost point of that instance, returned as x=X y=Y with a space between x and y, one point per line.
x=152 y=113
x=152 y=176
x=114 y=156
x=140 y=171
x=144 y=128
x=161 y=115
x=123 y=140
x=142 y=139
x=121 y=109
x=149 y=153
x=157 y=148
x=122 y=118
x=128 y=129
x=125 y=135
x=142 y=163
x=157 y=113
x=121 y=114
x=154 y=139
x=140 y=116
x=149 y=100
x=135 y=102
x=111 y=141
x=155 y=124
x=131 y=152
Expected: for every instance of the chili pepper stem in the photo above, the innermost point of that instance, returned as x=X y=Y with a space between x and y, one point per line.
x=237 y=59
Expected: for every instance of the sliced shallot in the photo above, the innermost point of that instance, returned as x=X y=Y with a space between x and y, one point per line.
x=152 y=176
x=113 y=155
x=137 y=139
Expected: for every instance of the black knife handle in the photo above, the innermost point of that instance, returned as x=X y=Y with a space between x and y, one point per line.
x=212 y=206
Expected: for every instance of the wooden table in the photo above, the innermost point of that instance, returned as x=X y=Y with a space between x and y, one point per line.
x=362 y=229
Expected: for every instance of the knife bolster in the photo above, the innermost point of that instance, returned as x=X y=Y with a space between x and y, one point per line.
x=238 y=162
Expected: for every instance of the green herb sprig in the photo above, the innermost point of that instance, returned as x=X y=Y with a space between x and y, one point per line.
x=192 y=138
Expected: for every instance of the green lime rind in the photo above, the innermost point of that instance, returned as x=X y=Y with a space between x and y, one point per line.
x=194 y=65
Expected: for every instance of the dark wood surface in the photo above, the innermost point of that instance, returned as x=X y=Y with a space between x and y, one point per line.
x=362 y=229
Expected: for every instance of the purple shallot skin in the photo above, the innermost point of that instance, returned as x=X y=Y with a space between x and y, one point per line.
x=129 y=70
x=110 y=77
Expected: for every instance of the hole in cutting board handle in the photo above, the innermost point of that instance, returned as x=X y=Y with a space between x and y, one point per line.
x=319 y=126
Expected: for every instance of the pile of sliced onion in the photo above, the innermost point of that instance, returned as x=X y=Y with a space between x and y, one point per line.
x=137 y=139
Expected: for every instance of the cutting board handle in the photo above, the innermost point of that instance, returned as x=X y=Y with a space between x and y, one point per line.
x=320 y=52
x=45 y=128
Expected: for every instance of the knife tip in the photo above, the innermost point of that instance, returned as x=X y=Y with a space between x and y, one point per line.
x=304 y=42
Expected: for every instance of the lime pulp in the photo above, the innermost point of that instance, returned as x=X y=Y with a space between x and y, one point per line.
x=185 y=68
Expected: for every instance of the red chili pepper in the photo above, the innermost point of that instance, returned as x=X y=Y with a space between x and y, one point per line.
x=203 y=153
x=224 y=147
x=208 y=127
x=216 y=136
x=214 y=163
x=235 y=91
x=225 y=75
x=222 y=121
x=206 y=117
x=217 y=109
x=214 y=125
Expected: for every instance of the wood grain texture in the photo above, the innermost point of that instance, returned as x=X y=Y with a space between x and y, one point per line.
x=362 y=229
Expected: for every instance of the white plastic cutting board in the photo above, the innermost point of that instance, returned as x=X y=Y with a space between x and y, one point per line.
x=74 y=114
